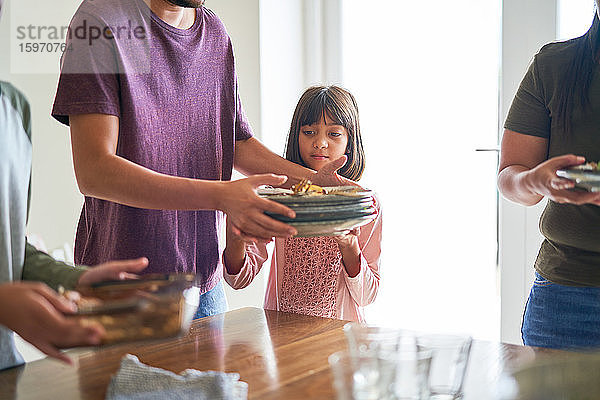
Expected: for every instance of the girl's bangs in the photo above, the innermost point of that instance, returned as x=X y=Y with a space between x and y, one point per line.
x=324 y=106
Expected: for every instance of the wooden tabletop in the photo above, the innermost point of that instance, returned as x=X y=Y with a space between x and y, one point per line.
x=280 y=356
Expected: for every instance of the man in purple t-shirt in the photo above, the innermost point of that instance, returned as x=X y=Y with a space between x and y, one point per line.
x=150 y=92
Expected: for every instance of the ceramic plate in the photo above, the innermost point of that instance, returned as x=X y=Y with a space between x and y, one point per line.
x=584 y=179
x=579 y=175
x=325 y=208
x=345 y=195
x=330 y=228
x=319 y=216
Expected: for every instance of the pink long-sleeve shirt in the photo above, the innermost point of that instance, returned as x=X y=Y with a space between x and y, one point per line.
x=307 y=275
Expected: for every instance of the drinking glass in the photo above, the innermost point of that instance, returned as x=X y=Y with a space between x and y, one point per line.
x=412 y=364
x=412 y=374
x=366 y=339
x=450 y=356
x=363 y=376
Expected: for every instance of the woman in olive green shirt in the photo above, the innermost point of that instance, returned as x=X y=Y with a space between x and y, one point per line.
x=554 y=123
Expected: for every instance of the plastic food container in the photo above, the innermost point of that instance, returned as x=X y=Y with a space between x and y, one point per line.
x=152 y=307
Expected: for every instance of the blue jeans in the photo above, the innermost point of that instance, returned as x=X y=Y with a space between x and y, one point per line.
x=212 y=302
x=561 y=317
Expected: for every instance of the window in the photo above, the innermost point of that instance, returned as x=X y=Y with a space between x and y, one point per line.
x=574 y=17
x=425 y=75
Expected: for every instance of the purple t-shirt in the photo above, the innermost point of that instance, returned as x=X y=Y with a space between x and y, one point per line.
x=175 y=93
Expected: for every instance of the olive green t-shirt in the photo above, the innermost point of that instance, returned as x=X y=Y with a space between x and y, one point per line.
x=570 y=253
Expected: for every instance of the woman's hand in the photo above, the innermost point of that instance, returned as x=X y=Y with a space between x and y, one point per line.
x=246 y=210
x=37 y=314
x=543 y=180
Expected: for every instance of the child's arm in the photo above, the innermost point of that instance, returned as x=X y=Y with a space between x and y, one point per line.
x=362 y=265
x=351 y=254
x=242 y=261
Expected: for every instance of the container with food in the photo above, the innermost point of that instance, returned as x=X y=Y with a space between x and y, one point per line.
x=586 y=176
x=152 y=307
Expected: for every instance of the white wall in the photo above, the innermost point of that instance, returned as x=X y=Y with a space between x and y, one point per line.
x=241 y=18
x=282 y=70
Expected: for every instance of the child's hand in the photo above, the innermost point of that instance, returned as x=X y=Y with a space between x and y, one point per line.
x=350 y=249
x=234 y=255
x=348 y=239
x=328 y=176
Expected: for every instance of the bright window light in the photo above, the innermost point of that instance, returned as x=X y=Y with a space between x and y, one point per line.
x=574 y=18
x=425 y=75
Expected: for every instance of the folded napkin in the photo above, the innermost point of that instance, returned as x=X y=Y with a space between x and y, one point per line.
x=136 y=380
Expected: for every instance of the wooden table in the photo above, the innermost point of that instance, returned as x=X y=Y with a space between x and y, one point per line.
x=279 y=355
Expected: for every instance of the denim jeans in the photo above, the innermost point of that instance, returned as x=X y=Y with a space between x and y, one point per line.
x=561 y=317
x=212 y=302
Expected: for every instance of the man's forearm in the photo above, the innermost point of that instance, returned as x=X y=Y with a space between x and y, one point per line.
x=252 y=157
x=116 y=179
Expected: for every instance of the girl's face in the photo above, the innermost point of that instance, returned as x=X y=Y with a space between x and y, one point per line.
x=322 y=142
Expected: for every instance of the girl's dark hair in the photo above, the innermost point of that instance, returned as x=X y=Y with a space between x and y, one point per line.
x=579 y=74
x=338 y=105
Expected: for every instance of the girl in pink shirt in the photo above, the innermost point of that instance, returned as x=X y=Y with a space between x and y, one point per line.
x=332 y=277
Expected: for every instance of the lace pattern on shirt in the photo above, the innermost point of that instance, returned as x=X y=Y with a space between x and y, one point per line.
x=310 y=274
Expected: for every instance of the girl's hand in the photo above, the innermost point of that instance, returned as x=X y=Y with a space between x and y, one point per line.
x=328 y=176
x=246 y=209
x=543 y=180
x=348 y=240
x=350 y=249
x=234 y=255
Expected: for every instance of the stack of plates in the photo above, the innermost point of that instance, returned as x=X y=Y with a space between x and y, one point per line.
x=325 y=215
x=584 y=179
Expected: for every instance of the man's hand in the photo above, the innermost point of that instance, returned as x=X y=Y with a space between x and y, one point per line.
x=36 y=313
x=246 y=210
x=113 y=271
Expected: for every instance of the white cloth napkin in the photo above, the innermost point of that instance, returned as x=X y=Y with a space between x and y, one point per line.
x=136 y=380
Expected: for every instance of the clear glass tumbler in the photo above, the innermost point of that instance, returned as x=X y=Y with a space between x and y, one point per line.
x=450 y=357
x=365 y=339
x=412 y=374
x=363 y=376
